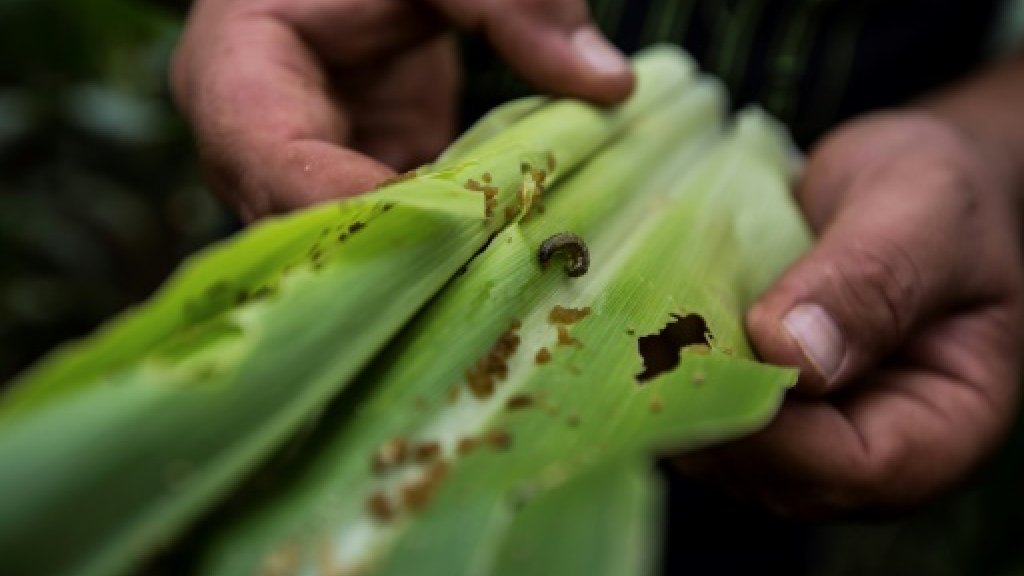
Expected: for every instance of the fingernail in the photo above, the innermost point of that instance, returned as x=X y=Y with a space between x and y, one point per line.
x=818 y=336
x=599 y=54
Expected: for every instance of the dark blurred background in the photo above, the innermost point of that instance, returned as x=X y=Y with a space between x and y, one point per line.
x=100 y=197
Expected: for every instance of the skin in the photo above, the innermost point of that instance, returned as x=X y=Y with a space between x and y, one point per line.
x=906 y=317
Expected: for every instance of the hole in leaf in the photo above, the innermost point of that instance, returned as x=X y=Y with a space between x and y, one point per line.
x=660 y=351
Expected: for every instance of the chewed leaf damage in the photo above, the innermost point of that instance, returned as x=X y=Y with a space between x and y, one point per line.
x=660 y=351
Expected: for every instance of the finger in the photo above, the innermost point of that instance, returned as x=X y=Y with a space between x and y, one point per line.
x=552 y=43
x=881 y=266
x=350 y=33
x=911 y=434
x=268 y=129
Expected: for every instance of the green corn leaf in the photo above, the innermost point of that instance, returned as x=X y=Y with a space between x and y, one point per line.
x=603 y=523
x=690 y=246
x=122 y=440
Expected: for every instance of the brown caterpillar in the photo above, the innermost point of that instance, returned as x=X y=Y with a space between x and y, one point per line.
x=577 y=256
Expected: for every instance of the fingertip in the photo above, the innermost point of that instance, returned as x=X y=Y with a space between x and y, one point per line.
x=612 y=74
x=799 y=337
x=568 y=61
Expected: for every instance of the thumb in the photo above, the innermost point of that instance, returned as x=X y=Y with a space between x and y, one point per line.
x=552 y=43
x=875 y=273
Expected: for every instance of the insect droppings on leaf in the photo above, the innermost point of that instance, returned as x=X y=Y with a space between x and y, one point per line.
x=656 y=405
x=577 y=256
x=565 y=339
x=465 y=446
x=356 y=227
x=493 y=367
x=417 y=494
x=380 y=507
x=543 y=356
x=453 y=394
x=498 y=439
x=560 y=315
x=519 y=401
x=390 y=455
x=426 y=452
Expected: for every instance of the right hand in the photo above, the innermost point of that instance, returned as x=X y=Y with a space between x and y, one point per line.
x=298 y=101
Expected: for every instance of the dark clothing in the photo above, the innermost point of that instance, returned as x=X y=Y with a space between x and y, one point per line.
x=812 y=63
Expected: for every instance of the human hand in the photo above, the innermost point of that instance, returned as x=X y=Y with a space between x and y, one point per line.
x=905 y=319
x=297 y=101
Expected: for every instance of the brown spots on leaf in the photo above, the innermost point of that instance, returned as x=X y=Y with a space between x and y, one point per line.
x=543 y=356
x=355 y=227
x=486 y=178
x=390 y=455
x=380 y=507
x=699 y=378
x=566 y=339
x=511 y=211
x=550 y=161
x=426 y=452
x=490 y=193
x=560 y=315
x=453 y=394
x=465 y=446
x=490 y=200
x=519 y=401
x=573 y=421
x=539 y=176
x=498 y=439
x=418 y=493
x=493 y=367
x=655 y=405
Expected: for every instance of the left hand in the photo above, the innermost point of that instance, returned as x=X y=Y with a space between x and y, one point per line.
x=906 y=320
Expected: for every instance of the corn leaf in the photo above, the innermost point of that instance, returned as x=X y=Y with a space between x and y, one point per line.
x=122 y=440
x=517 y=380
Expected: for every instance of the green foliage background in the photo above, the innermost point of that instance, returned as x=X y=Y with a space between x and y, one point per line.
x=100 y=197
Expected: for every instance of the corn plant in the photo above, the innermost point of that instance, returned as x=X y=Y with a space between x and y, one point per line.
x=477 y=359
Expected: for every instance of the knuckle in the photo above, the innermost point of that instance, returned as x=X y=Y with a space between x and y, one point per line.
x=880 y=284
